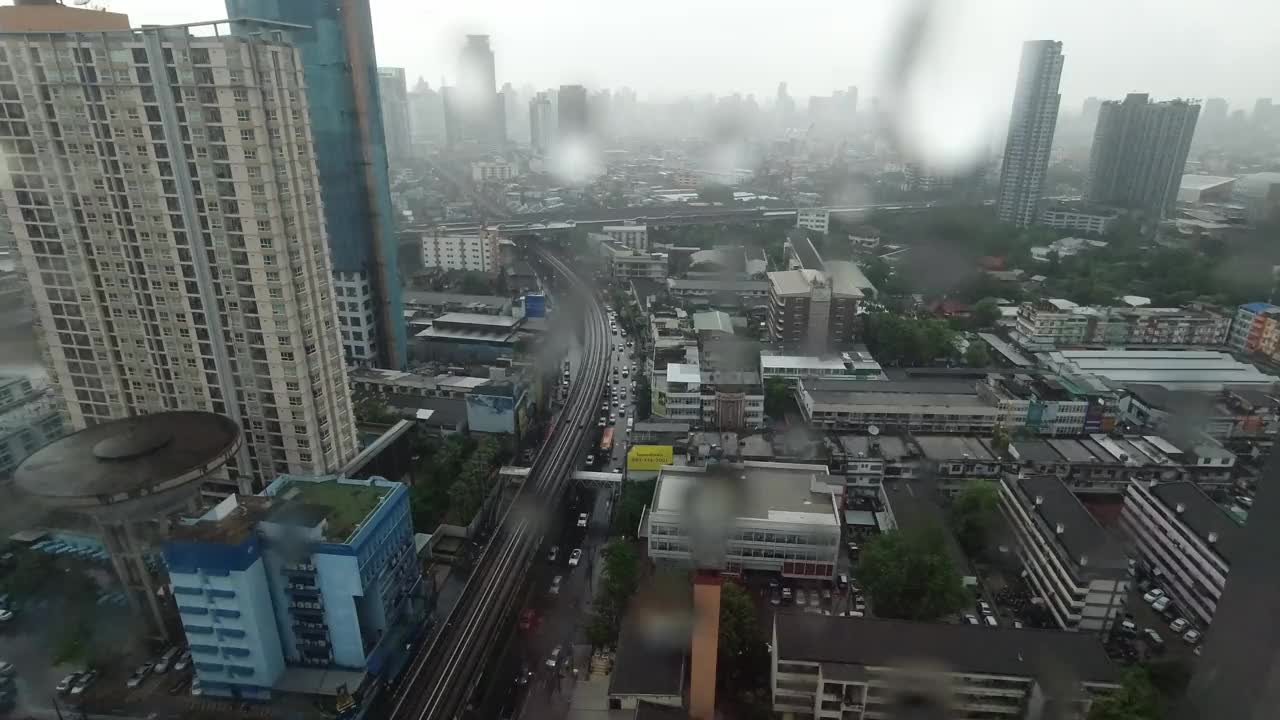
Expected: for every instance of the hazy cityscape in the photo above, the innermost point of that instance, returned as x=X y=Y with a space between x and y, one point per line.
x=369 y=359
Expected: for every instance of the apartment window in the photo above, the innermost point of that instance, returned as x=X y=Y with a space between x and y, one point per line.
x=239 y=94
x=246 y=135
x=242 y=115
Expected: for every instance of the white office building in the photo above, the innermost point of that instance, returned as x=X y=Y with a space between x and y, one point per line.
x=852 y=365
x=1068 y=558
x=1185 y=540
x=635 y=237
x=1064 y=216
x=477 y=252
x=163 y=198
x=818 y=219
x=489 y=171
x=780 y=517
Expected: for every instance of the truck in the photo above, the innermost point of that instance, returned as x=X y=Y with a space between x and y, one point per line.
x=606 y=441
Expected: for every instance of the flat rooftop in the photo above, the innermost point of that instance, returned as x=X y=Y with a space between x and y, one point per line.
x=1173 y=369
x=343 y=504
x=1090 y=547
x=1005 y=650
x=766 y=491
x=1202 y=515
x=954 y=447
x=460 y=318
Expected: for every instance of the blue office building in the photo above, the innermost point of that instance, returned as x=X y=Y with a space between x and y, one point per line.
x=311 y=585
x=341 y=72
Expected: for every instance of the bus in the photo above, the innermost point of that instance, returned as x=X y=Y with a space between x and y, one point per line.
x=606 y=441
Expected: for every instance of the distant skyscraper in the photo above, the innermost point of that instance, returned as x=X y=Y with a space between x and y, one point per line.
x=473 y=108
x=1235 y=676
x=394 y=94
x=336 y=40
x=784 y=106
x=1031 y=125
x=513 y=111
x=1089 y=112
x=179 y=261
x=571 y=118
x=426 y=114
x=542 y=122
x=1139 y=152
x=1213 y=120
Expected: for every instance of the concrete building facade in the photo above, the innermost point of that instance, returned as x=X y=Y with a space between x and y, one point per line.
x=1139 y=152
x=393 y=91
x=475 y=252
x=1031 y=126
x=132 y=320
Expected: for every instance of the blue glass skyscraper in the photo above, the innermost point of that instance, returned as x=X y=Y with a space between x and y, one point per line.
x=341 y=73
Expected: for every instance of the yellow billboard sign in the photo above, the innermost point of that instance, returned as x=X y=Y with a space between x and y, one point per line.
x=649 y=457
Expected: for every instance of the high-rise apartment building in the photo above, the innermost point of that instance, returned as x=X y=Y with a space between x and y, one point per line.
x=426 y=114
x=162 y=197
x=542 y=122
x=1031 y=125
x=1213 y=120
x=394 y=94
x=571 y=116
x=474 y=110
x=335 y=38
x=1139 y=152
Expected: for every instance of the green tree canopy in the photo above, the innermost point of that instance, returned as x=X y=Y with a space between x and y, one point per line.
x=974 y=513
x=776 y=397
x=743 y=656
x=902 y=341
x=909 y=575
x=985 y=313
x=636 y=494
x=977 y=355
x=1136 y=699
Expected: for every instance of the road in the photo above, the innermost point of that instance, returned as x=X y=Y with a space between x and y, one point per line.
x=442 y=679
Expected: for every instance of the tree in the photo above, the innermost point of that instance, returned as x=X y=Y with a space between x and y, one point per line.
x=715 y=193
x=877 y=272
x=636 y=494
x=974 y=512
x=1136 y=699
x=621 y=570
x=743 y=657
x=976 y=355
x=474 y=283
x=909 y=575
x=776 y=397
x=1000 y=438
x=985 y=313
x=644 y=398
x=372 y=410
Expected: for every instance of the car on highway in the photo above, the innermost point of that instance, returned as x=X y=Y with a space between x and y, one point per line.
x=84 y=683
x=575 y=557
x=524 y=676
x=555 y=585
x=800 y=598
x=554 y=659
x=140 y=674
x=582 y=520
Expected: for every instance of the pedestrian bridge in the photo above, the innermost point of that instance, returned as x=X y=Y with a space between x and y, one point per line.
x=516 y=475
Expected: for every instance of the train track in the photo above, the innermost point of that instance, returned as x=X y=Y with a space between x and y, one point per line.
x=443 y=675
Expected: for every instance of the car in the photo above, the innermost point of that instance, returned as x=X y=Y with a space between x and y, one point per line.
x=787 y=595
x=1018 y=624
x=814 y=600
x=1191 y=637
x=555 y=585
x=1179 y=625
x=5 y=615
x=1161 y=604
x=775 y=598
x=800 y=597
x=195 y=687
x=553 y=553
x=843 y=581
x=1197 y=650
x=84 y=683
x=854 y=614
x=591 y=459
x=180 y=684
x=990 y=620
x=601 y=423
x=1129 y=627
x=166 y=659
x=1244 y=501
x=622 y=412
x=66 y=683
x=554 y=658
x=1153 y=637
x=6 y=668
x=853 y=548
x=971 y=619
x=575 y=557
x=984 y=607
x=1152 y=595
x=524 y=676
x=140 y=674
x=582 y=520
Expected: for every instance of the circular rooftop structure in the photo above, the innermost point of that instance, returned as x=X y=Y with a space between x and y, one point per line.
x=121 y=464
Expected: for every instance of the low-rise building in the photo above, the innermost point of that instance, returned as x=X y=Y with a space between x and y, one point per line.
x=493 y=171
x=1103 y=464
x=435 y=304
x=635 y=237
x=1251 y=323
x=1068 y=557
x=1209 y=370
x=738 y=293
x=1203 y=189
x=1078 y=218
x=1184 y=540
x=857 y=669
x=311 y=584
x=896 y=406
x=1052 y=323
x=816 y=219
x=455 y=251
x=774 y=517
x=1232 y=413
x=1047 y=404
x=659 y=433
x=850 y=365
x=30 y=418
x=468 y=337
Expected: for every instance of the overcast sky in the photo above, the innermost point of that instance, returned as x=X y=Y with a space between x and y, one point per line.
x=664 y=48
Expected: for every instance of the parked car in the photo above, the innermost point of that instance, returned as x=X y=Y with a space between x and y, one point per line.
x=177 y=686
x=1179 y=625
x=553 y=553
x=140 y=674
x=775 y=598
x=5 y=615
x=6 y=668
x=971 y=619
x=195 y=687
x=984 y=607
x=1153 y=637
x=555 y=585
x=1161 y=604
x=1129 y=627
x=582 y=520
x=183 y=662
x=166 y=659
x=574 y=557
x=814 y=600
x=1152 y=595
x=84 y=683
x=990 y=620
x=66 y=683
x=843 y=582
x=800 y=598
x=554 y=659
x=1191 y=636
x=787 y=595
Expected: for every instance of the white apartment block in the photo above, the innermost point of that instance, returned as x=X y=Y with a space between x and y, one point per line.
x=490 y=171
x=355 y=318
x=684 y=392
x=163 y=197
x=635 y=237
x=818 y=219
x=1054 y=322
x=1077 y=219
x=1184 y=539
x=779 y=517
x=1068 y=558
x=462 y=252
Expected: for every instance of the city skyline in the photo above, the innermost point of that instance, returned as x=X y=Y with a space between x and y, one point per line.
x=849 y=47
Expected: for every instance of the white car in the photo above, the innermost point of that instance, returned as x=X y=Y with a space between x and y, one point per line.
x=554 y=659
x=183 y=661
x=1160 y=604
x=6 y=668
x=1152 y=595
x=582 y=520
x=83 y=684
x=575 y=557
x=5 y=615
x=555 y=585
x=971 y=619
x=195 y=687
x=1179 y=625
x=140 y=674
x=166 y=660
x=1191 y=636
